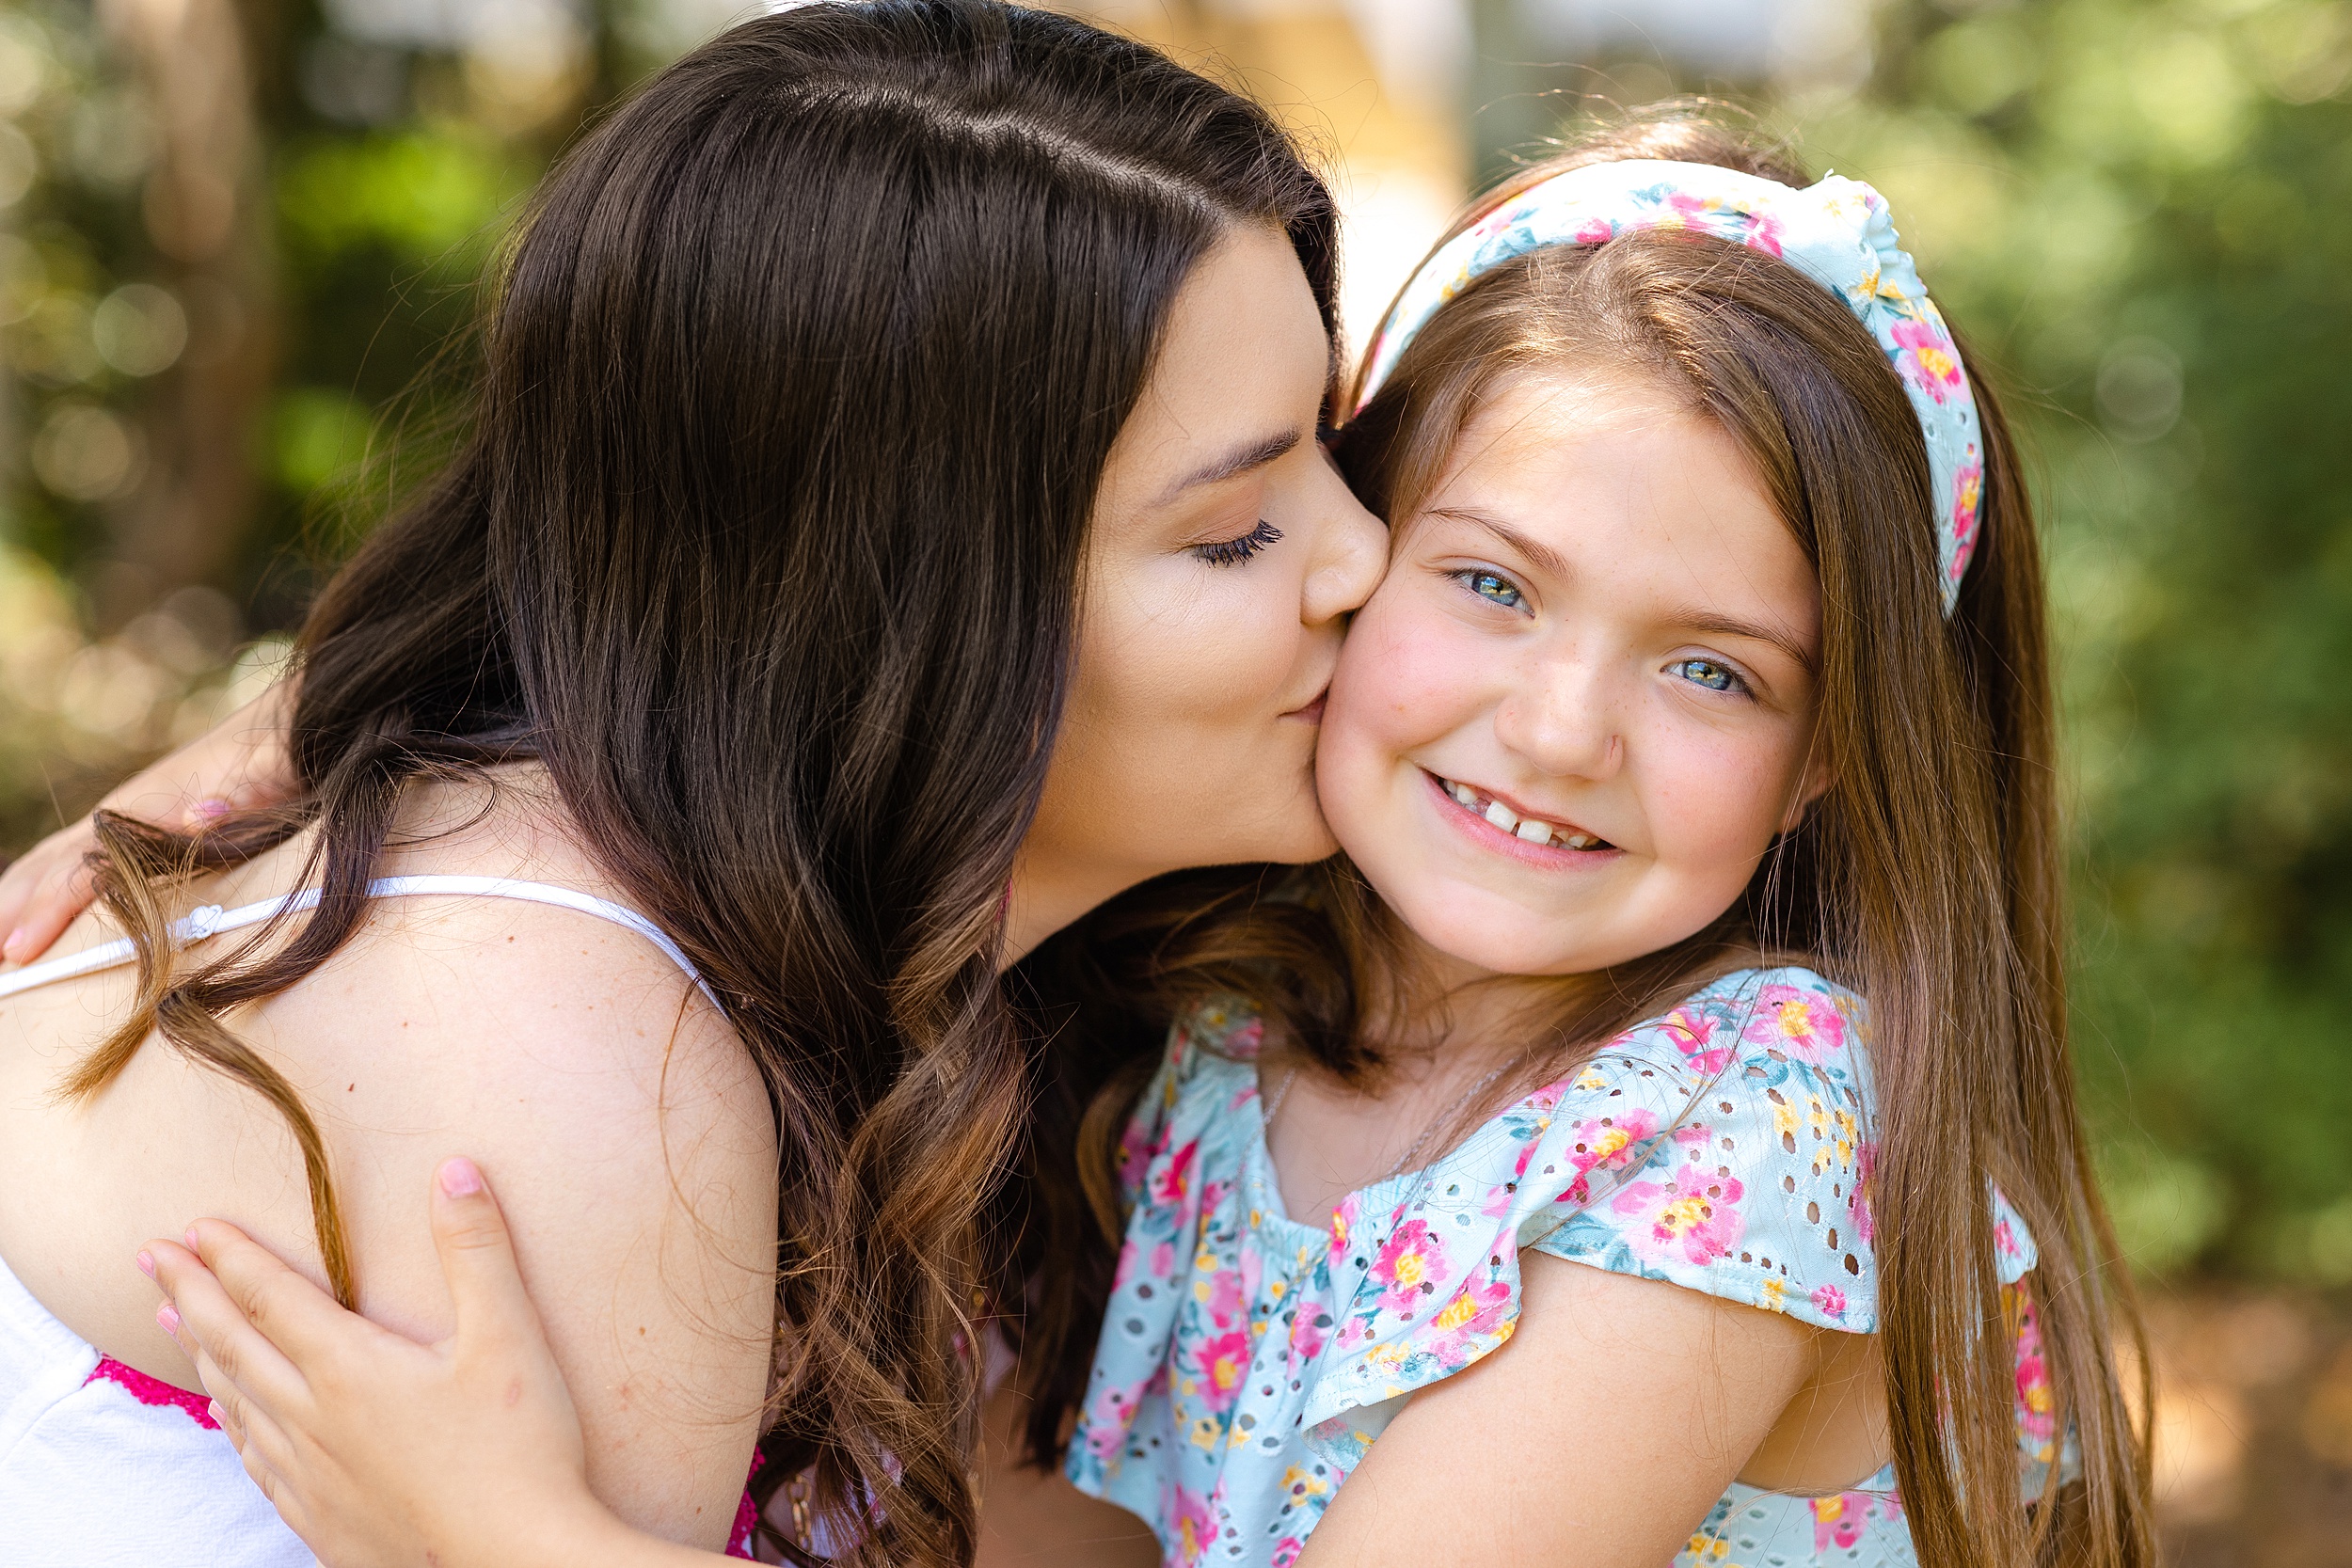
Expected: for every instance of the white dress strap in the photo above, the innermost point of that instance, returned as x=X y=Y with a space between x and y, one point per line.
x=210 y=920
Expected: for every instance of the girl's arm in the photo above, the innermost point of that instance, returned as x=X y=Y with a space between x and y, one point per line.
x=1600 y=1434
x=381 y=1453
x=241 y=762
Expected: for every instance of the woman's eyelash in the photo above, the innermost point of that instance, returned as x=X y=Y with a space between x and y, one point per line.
x=1234 y=551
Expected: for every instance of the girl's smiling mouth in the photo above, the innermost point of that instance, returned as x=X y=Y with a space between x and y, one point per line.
x=1499 y=824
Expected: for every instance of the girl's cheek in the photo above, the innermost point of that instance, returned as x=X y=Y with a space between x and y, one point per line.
x=1403 y=675
x=1716 y=805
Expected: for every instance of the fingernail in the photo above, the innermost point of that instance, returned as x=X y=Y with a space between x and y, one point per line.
x=147 y=1264
x=459 y=1179
x=8 y=948
x=190 y=1238
x=168 y=1316
x=208 y=811
x=212 y=1409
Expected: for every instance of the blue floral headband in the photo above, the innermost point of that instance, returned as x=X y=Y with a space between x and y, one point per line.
x=1836 y=232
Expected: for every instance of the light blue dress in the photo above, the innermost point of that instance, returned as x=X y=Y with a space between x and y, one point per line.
x=1248 y=1361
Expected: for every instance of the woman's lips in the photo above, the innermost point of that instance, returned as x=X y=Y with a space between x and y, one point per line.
x=1498 y=825
x=1312 y=712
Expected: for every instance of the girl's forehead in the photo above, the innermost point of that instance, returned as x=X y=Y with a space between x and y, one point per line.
x=1620 y=478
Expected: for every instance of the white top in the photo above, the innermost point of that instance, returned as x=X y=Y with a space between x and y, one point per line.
x=101 y=1465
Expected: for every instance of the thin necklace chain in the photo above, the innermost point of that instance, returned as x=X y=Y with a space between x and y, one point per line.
x=1282 y=1092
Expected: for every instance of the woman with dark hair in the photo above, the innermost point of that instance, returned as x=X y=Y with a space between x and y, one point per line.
x=893 y=523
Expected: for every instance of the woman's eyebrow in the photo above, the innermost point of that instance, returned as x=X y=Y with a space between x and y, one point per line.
x=1234 y=463
x=1540 y=554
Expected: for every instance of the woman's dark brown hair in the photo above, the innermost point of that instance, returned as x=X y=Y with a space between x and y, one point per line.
x=766 y=543
x=1927 y=879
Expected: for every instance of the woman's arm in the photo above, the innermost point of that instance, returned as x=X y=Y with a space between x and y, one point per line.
x=1600 y=1434
x=241 y=762
x=381 y=1453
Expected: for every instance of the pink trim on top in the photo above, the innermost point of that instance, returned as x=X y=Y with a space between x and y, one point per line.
x=152 y=1390
x=746 y=1514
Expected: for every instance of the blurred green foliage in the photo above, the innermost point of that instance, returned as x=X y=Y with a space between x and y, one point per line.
x=2142 y=212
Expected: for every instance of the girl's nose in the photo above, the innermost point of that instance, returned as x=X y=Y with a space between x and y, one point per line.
x=1562 y=716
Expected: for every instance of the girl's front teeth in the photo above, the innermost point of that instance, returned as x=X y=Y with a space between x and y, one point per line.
x=1527 y=830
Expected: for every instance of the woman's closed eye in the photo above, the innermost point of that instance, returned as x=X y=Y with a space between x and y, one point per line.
x=1492 y=586
x=1234 y=551
x=1711 y=675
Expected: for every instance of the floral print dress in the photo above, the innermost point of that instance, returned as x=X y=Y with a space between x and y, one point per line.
x=1249 y=1361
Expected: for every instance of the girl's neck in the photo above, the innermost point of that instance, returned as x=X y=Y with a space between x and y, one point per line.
x=1433 y=1015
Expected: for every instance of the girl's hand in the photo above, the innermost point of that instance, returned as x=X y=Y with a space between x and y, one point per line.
x=239 y=763
x=381 y=1453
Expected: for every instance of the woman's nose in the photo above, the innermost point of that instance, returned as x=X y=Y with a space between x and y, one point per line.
x=1351 y=555
x=1562 y=716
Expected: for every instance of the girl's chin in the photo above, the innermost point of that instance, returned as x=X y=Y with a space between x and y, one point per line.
x=1479 y=943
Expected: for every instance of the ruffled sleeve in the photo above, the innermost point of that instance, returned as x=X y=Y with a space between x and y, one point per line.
x=1723 y=1148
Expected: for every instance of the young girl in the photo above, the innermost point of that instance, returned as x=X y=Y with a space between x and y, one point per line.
x=1692 y=767
x=1674 y=1157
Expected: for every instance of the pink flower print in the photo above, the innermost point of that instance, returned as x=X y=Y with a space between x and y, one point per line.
x=1412 y=1265
x=1829 y=1301
x=1595 y=232
x=1286 y=1552
x=1344 y=1222
x=1220 y=1363
x=1309 y=1331
x=1692 y=1030
x=1108 y=1415
x=1477 y=1312
x=1797 y=1022
x=1607 y=1142
x=1196 y=1526
x=1243 y=1043
x=1968 y=497
x=1172 y=1182
x=1837 y=1520
x=1131 y=1261
x=1859 y=1205
x=1697 y=1215
x=1223 y=1294
x=1929 y=361
x=1137 y=1148
x=2037 y=1405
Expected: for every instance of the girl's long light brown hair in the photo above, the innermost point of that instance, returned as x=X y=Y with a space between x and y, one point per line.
x=1927 y=879
x=766 y=543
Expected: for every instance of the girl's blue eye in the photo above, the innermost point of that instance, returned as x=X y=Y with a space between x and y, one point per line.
x=1492 y=586
x=1709 y=674
x=1234 y=551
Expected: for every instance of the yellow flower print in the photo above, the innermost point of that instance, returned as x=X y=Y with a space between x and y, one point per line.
x=1303 y=1483
x=1590 y=1079
x=1461 y=1309
x=1774 y=1290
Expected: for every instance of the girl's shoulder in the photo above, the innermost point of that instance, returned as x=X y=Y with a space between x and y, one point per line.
x=1724 y=1146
